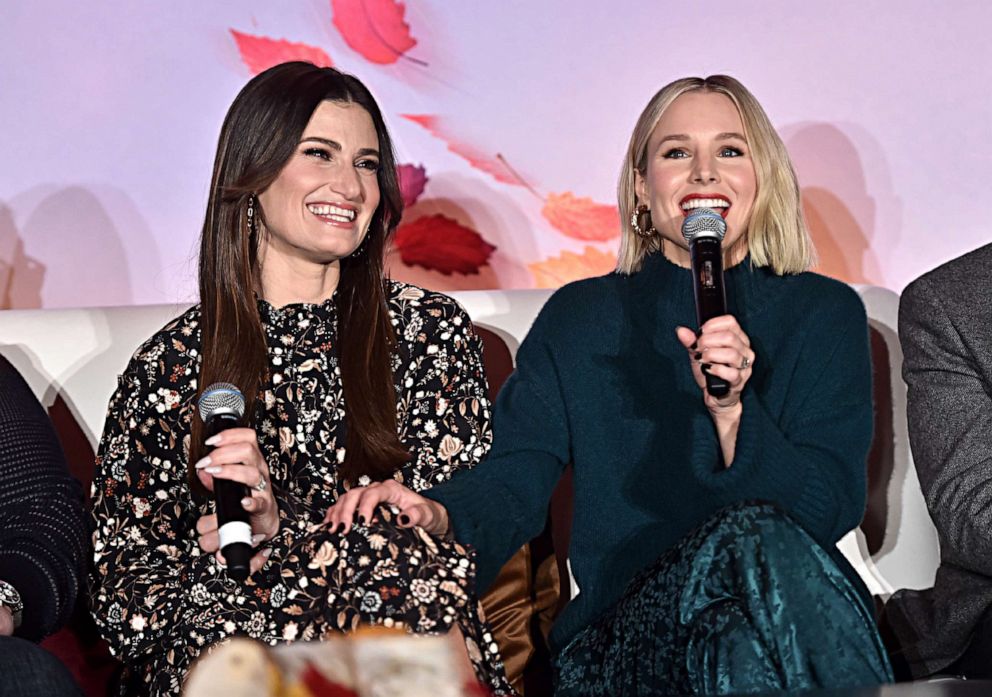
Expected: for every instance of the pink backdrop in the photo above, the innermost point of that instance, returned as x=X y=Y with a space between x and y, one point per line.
x=517 y=112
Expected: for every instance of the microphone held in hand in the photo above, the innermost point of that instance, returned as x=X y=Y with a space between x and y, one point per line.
x=704 y=229
x=221 y=407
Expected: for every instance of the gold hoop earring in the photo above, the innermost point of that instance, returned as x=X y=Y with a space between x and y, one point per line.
x=641 y=227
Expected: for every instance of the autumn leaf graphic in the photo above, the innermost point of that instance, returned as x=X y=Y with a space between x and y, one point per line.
x=581 y=218
x=491 y=165
x=374 y=28
x=413 y=179
x=439 y=243
x=555 y=272
x=261 y=53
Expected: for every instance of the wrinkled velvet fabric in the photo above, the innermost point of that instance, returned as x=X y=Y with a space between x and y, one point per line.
x=747 y=603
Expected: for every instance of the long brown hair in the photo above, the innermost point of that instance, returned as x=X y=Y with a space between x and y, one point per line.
x=260 y=134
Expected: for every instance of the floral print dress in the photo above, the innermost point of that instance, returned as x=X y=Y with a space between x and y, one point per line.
x=159 y=601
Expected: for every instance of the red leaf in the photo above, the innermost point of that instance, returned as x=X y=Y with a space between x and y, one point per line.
x=261 y=53
x=374 y=28
x=413 y=179
x=439 y=243
x=319 y=686
x=582 y=218
x=475 y=157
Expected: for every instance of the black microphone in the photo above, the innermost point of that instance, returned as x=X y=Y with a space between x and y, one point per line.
x=221 y=407
x=704 y=229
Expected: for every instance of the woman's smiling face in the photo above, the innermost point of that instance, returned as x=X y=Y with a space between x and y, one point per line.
x=698 y=156
x=319 y=207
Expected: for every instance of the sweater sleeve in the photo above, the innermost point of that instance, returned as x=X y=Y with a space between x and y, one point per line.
x=811 y=459
x=503 y=502
x=950 y=423
x=42 y=533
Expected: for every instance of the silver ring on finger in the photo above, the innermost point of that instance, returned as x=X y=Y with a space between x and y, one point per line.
x=262 y=485
x=745 y=363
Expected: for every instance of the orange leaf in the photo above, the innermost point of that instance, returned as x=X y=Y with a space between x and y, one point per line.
x=475 y=157
x=374 y=28
x=437 y=242
x=582 y=218
x=569 y=266
x=261 y=53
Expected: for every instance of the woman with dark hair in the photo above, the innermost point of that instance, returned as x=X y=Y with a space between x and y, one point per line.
x=703 y=539
x=349 y=379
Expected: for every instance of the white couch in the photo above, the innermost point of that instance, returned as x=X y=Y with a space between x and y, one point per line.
x=73 y=357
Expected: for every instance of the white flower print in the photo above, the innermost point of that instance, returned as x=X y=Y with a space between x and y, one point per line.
x=371 y=602
x=423 y=590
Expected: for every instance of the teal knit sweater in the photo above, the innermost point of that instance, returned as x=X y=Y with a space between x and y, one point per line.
x=602 y=383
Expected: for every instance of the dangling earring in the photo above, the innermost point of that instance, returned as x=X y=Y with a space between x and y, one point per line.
x=360 y=249
x=643 y=228
x=250 y=213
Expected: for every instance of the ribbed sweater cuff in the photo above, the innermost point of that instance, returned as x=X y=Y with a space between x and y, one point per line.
x=766 y=467
x=40 y=611
x=466 y=511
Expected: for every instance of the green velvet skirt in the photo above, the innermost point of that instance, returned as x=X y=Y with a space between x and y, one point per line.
x=747 y=603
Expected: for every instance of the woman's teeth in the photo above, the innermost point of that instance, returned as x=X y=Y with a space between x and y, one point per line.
x=340 y=215
x=705 y=203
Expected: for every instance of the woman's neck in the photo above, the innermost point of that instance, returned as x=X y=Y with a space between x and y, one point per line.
x=680 y=256
x=281 y=280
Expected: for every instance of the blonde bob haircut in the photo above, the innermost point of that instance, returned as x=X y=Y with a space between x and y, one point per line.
x=777 y=236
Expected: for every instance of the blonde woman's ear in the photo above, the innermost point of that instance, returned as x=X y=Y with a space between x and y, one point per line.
x=640 y=189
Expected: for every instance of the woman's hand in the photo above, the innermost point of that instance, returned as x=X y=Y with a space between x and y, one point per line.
x=724 y=350
x=414 y=508
x=236 y=457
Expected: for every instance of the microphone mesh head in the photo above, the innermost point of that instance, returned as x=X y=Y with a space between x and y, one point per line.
x=221 y=398
x=704 y=222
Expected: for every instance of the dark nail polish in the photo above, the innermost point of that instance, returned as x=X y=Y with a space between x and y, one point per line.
x=404 y=519
x=697 y=355
x=705 y=366
x=693 y=347
x=361 y=520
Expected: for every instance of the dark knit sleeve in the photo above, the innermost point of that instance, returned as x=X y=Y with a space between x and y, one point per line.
x=42 y=533
x=503 y=502
x=811 y=459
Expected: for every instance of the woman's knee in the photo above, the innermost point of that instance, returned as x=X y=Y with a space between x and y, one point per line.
x=757 y=538
x=761 y=525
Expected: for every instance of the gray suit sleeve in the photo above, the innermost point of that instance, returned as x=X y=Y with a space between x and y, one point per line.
x=950 y=425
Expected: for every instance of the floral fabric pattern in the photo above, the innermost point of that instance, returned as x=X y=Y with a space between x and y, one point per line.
x=159 y=601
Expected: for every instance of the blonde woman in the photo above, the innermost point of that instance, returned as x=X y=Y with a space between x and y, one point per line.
x=704 y=529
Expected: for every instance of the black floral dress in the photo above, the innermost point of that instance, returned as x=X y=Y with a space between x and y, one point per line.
x=159 y=602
